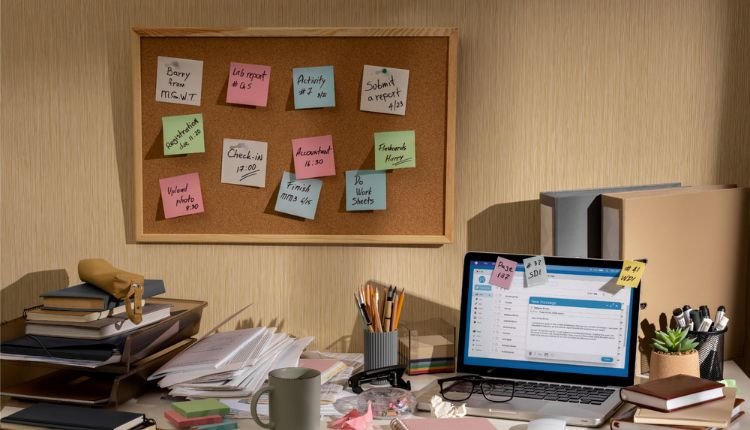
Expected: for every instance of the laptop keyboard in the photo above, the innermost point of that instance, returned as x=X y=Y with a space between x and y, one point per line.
x=550 y=392
x=562 y=393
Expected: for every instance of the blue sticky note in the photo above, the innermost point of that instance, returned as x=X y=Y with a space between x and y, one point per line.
x=365 y=190
x=313 y=87
x=298 y=197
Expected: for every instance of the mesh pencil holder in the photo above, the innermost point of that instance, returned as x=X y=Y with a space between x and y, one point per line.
x=710 y=353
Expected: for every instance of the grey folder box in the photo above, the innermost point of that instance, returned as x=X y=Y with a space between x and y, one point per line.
x=571 y=220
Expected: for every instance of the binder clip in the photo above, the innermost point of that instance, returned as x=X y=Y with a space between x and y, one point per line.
x=392 y=374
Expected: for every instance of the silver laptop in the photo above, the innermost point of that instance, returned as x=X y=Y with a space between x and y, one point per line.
x=558 y=350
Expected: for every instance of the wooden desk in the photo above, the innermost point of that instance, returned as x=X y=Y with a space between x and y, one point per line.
x=153 y=405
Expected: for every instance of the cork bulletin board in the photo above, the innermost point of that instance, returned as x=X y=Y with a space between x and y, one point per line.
x=419 y=200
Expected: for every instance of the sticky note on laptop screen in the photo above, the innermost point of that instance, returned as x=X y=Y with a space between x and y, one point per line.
x=502 y=274
x=395 y=150
x=248 y=84
x=183 y=134
x=298 y=197
x=200 y=408
x=313 y=87
x=243 y=162
x=181 y=195
x=179 y=80
x=313 y=157
x=631 y=273
x=384 y=90
x=535 y=271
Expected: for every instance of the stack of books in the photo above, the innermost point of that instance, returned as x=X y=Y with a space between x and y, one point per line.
x=229 y=364
x=678 y=402
x=205 y=414
x=81 y=325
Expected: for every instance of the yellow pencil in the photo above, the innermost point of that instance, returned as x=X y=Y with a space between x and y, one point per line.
x=401 y=298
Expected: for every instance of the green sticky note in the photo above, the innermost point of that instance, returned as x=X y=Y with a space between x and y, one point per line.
x=200 y=408
x=395 y=150
x=183 y=134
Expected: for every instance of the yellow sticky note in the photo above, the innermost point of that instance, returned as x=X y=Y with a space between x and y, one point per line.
x=631 y=273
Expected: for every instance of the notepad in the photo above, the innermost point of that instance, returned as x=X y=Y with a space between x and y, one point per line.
x=200 y=408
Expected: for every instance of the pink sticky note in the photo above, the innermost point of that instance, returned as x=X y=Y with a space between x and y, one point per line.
x=181 y=195
x=502 y=275
x=313 y=157
x=248 y=84
x=353 y=420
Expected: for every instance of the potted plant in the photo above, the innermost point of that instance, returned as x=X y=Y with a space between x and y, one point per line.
x=673 y=353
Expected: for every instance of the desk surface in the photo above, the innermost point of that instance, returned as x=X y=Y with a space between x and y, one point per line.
x=153 y=405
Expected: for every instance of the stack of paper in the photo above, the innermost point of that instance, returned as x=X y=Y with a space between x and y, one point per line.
x=230 y=364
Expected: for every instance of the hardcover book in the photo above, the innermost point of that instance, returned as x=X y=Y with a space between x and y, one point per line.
x=86 y=297
x=675 y=392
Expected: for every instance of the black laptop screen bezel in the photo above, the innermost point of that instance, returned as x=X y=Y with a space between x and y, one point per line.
x=541 y=375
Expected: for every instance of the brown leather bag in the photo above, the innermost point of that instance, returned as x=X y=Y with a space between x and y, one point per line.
x=118 y=283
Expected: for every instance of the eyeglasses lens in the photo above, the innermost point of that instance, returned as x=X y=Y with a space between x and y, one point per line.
x=458 y=391
x=497 y=391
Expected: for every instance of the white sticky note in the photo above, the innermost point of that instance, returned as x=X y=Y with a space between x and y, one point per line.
x=535 y=271
x=384 y=90
x=179 y=80
x=243 y=162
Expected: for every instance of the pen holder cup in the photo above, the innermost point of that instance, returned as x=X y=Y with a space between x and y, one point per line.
x=381 y=349
x=710 y=353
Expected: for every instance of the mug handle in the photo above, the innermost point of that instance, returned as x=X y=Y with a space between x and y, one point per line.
x=254 y=405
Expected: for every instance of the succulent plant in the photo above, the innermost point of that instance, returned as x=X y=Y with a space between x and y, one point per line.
x=673 y=341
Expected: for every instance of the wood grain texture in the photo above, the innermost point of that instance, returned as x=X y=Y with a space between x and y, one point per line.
x=551 y=95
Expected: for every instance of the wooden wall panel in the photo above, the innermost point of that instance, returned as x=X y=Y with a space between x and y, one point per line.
x=551 y=95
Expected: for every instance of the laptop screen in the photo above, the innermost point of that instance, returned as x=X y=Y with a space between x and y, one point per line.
x=578 y=322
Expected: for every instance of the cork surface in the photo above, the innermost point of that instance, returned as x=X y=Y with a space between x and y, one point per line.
x=415 y=197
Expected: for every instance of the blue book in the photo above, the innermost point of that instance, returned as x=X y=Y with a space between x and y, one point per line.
x=87 y=297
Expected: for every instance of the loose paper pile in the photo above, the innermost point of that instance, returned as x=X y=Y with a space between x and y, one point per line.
x=230 y=364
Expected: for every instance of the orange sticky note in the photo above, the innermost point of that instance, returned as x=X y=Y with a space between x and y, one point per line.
x=631 y=273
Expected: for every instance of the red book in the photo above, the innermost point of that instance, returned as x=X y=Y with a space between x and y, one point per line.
x=675 y=392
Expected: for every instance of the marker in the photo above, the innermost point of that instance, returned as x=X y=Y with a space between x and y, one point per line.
x=722 y=324
x=695 y=315
x=720 y=312
x=704 y=312
x=691 y=326
x=677 y=315
x=705 y=324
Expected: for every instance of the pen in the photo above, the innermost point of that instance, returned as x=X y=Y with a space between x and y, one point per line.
x=388 y=310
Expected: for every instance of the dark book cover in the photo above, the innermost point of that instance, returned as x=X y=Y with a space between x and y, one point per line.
x=74 y=417
x=151 y=288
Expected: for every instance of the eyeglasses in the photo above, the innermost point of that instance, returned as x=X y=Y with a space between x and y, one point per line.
x=460 y=388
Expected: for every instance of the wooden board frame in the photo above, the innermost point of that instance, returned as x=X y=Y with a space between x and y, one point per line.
x=451 y=35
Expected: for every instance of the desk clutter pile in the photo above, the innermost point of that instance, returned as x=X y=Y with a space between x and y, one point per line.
x=679 y=401
x=80 y=346
x=230 y=364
